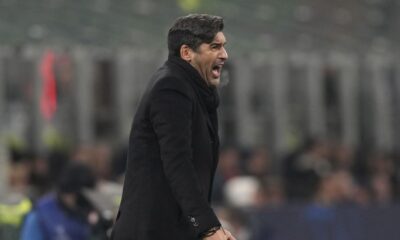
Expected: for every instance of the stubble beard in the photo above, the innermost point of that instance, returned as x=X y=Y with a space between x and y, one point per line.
x=214 y=82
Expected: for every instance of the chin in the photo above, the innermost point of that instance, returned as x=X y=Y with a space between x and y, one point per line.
x=214 y=82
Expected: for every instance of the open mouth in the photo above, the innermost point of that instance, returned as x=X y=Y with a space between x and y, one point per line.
x=216 y=70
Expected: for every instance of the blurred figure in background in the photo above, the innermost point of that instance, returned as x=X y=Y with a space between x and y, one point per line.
x=270 y=193
x=259 y=163
x=65 y=214
x=304 y=169
x=382 y=178
x=335 y=188
x=40 y=179
x=321 y=214
x=228 y=167
x=101 y=161
x=16 y=202
x=109 y=172
x=343 y=157
x=20 y=171
x=241 y=191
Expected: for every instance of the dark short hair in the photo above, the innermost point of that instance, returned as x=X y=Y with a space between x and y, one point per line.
x=193 y=30
x=75 y=177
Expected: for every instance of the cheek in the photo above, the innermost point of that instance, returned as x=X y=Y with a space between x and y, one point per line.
x=210 y=63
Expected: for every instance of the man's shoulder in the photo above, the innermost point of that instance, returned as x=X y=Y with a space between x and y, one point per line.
x=168 y=79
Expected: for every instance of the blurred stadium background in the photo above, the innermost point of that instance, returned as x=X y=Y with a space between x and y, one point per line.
x=309 y=114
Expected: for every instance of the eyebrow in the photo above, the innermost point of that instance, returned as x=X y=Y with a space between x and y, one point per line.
x=218 y=43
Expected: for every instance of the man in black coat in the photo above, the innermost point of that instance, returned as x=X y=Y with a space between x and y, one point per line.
x=173 y=146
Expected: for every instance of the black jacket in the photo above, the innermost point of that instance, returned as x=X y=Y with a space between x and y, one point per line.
x=173 y=154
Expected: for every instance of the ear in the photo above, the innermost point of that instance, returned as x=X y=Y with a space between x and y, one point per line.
x=186 y=53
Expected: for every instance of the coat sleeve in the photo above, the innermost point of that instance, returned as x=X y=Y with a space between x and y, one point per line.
x=171 y=117
x=31 y=229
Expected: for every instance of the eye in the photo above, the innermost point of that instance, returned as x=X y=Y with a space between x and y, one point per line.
x=215 y=46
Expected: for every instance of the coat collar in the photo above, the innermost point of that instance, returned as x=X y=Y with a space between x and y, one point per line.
x=208 y=96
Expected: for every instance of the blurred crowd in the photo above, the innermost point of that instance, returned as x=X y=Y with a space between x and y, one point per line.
x=62 y=194
x=320 y=175
x=319 y=171
x=77 y=192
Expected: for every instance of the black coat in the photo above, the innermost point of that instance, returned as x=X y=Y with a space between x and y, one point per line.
x=173 y=154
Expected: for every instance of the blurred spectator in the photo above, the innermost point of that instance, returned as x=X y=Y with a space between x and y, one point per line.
x=40 y=178
x=229 y=163
x=382 y=178
x=343 y=157
x=382 y=189
x=321 y=215
x=361 y=193
x=13 y=209
x=83 y=153
x=304 y=169
x=101 y=161
x=228 y=167
x=335 y=188
x=65 y=214
x=19 y=176
x=259 y=163
x=20 y=170
x=56 y=163
x=98 y=157
x=241 y=191
x=15 y=203
x=270 y=192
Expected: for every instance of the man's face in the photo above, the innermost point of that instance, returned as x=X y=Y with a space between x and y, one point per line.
x=209 y=59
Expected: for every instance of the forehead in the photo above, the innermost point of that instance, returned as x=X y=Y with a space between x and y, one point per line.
x=219 y=38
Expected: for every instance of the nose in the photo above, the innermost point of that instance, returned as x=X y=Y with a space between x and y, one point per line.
x=223 y=54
